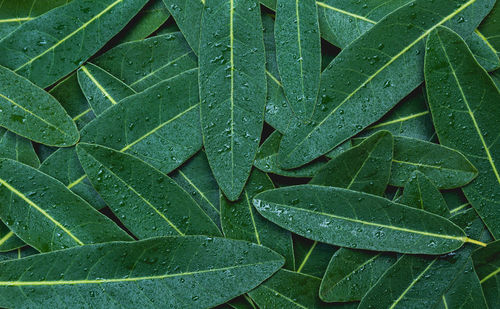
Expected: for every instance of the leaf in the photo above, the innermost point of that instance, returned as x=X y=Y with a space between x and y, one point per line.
x=151 y=203
x=485 y=55
x=49 y=217
x=421 y=193
x=489 y=29
x=101 y=89
x=240 y=220
x=17 y=254
x=288 y=289
x=49 y=47
x=266 y=160
x=298 y=51
x=420 y=281
x=145 y=63
x=33 y=113
x=487 y=265
x=15 y=13
x=187 y=15
x=8 y=240
x=376 y=78
x=311 y=257
x=160 y=126
x=17 y=148
x=370 y=222
x=351 y=273
x=195 y=176
x=64 y=166
x=364 y=168
x=232 y=89
x=127 y=274
x=466 y=292
x=461 y=119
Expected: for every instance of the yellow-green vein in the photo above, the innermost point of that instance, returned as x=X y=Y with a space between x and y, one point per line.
x=39 y=209
x=490 y=275
x=329 y=7
x=402 y=119
x=274 y=78
x=301 y=60
x=257 y=237
x=160 y=68
x=283 y=296
x=486 y=41
x=74 y=183
x=98 y=85
x=198 y=190
x=6 y=237
x=81 y=114
x=231 y=47
x=13 y=20
x=308 y=255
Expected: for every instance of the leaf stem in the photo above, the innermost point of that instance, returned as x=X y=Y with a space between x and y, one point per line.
x=476 y=242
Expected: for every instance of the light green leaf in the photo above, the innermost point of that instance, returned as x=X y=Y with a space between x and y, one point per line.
x=298 y=51
x=32 y=113
x=487 y=265
x=240 y=220
x=465 y=110
x=187 y=15
x=151 y=203
x=232 y=89
x=54 y=44
x=101 y=88
x=175 y=272
x=375 y=79
x=358 y=220
x=49 y=217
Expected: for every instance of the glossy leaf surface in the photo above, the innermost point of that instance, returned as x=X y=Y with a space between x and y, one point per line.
x=187 y=15
x=487 y=265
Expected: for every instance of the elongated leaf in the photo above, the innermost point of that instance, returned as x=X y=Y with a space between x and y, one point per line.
x=487 y=265
x=375 y=80
x=358 y=220
x=421 y=193
x=266 y=160
x=17 y=254
x=151 y=203
x=490 y=30
x=160 y=126
x=187 y=15
x=51 y=46
x=311 y=257
x=15 y=13
x=142 y=64
x=466 y=292
x=49 y=217
x=174 y=271
x=298 y=51
x=195 y=176
x=8 y=240
x=15 y=147
x=483 y=51
x=420 y=281
x=232 y=89
x=33 y=113
x=466 y=118
x=364 y=168
x=240 y=220
x=288 y=289
x=101 y=88
x=64 y=166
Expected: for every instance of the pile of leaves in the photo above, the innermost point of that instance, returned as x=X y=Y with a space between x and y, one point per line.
x=231 y=153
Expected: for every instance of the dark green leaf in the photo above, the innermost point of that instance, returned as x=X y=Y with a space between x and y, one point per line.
x=177 y=272
x=240 y=220
x=32 y=113
x=187 y=15
x=232 y=89
x=421 y=193
x=465 y=110
x=17 y=148
x=487 y=265
x=358 y=220
x=8 y=240
x=45 y=214
x=377 y=73
x=54 y=44
x=150 y=203
x=311 y=257
x=489 y=29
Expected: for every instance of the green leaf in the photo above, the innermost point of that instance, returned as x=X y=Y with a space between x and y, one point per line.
x=187 y=15
x=15 y=13
x=364 y=168
x=421 y=193
x=101 y=88
x=351 y=273
x=161 y=126
x=173 y=271
x=460 y=95
x=267 y=160
x=358 y=220
x=64 y=166
x=489 y=29
x=150 y=203
x=232 y=89
x=483 y=51
x=32 y=113
x=288 y=289
x=420 y=281
x=487 y=265
x=298 y=51
x=195 y=176
x=54 y=44
x=466 y=292
x=311 y=257
x=17 y=254
x=49 y=216
x=8 y=240
x=17 y=148
x=377 y=74
x=240 y=220
x=145 y=63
